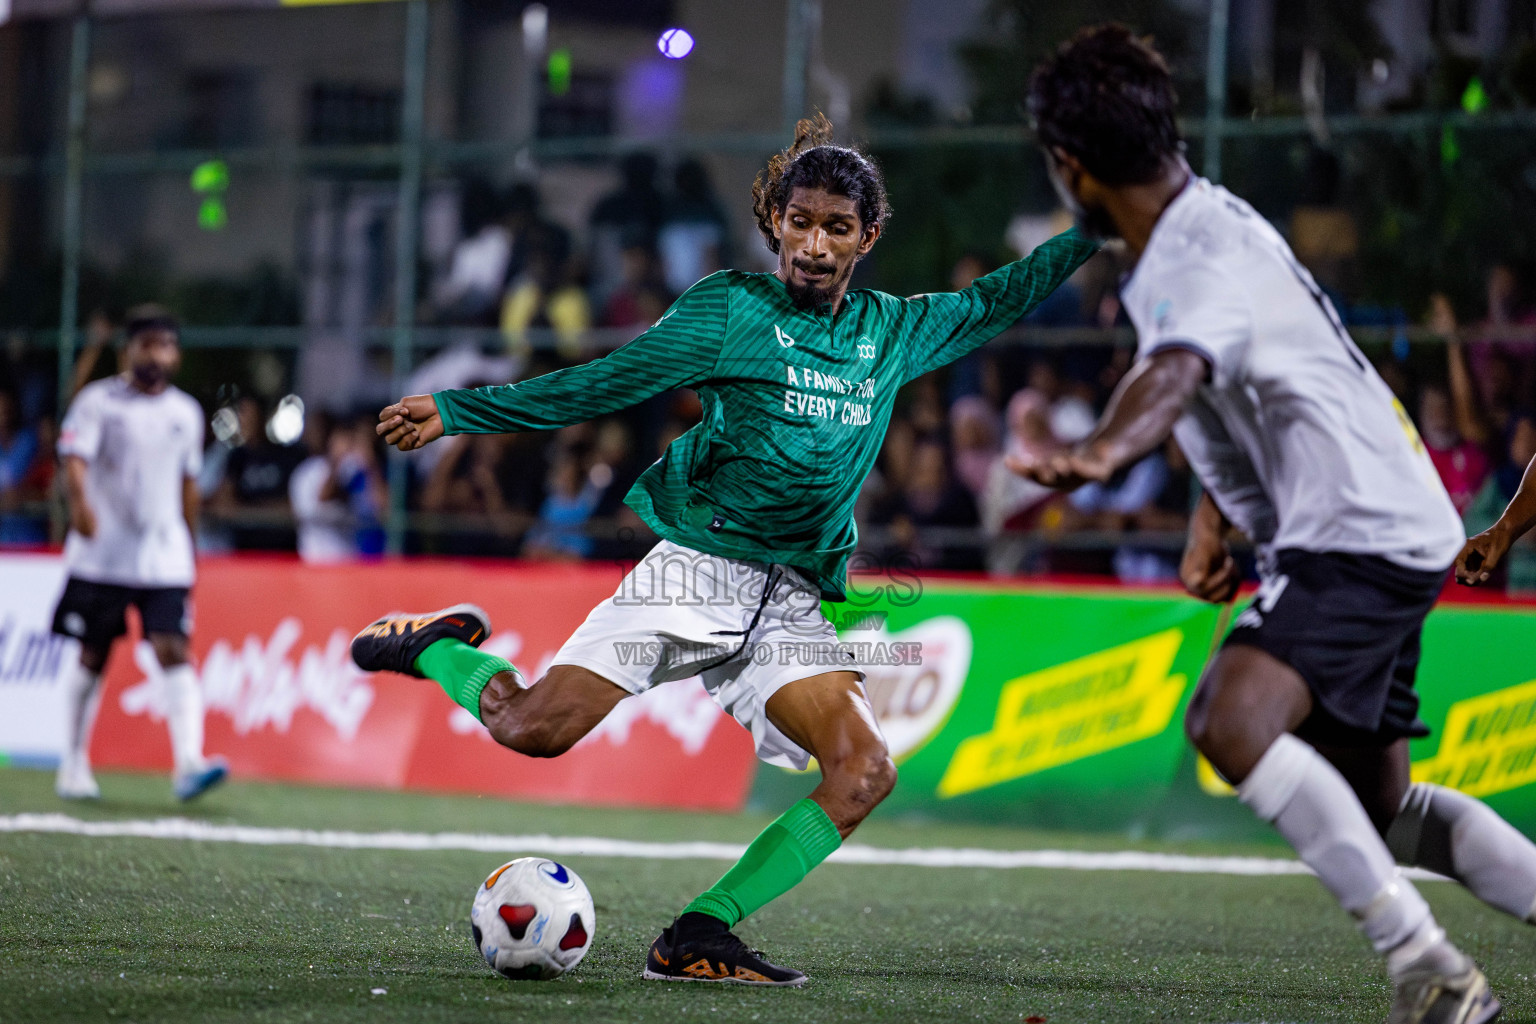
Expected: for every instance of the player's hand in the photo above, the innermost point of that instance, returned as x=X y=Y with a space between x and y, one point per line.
x=1481 y=555
x=82 y=519
x=1061 y=468
x=410 y=423
x=1208 y=570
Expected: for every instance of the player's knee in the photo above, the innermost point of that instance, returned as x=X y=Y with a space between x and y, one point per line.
x=865 y=778
x=170 y=650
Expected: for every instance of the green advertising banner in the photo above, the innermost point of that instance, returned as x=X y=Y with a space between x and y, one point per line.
x=1063 y=707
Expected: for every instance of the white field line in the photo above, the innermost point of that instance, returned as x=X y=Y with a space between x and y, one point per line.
x=588 y=846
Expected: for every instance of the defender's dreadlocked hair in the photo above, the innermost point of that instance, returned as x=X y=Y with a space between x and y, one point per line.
x=813 y=162
x=1107 y=98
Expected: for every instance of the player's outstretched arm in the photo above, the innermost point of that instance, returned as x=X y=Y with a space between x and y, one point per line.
x=410 y=423
x=1140 y=416
x=1483 y=553
x=941 y=327
x=680 y=350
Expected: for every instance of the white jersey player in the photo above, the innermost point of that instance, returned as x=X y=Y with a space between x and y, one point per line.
x=1309 y=705
x=132 y=447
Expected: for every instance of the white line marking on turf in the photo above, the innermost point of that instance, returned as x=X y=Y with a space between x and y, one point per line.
x=591 y=846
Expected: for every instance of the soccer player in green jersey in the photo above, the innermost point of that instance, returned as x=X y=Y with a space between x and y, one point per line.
x=797 y=376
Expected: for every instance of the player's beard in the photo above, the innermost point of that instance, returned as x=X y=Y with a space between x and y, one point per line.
x=149 y=376
x=810 y=297
x=1095 y=222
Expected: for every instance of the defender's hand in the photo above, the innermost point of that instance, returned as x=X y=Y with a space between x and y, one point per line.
x=410 y=423
x=1063 y=469
x=1208 y=570
x=1481 y=555
x=82 y=519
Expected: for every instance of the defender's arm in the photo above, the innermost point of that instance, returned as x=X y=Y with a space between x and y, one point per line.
x=1140 y=416
x=1483 y=553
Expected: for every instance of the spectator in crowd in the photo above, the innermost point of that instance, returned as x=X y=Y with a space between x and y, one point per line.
x=1462 y=465
x=575 y=491
x=18 y=453
x=470 y=293
x=338 y=494
x=1506 y=331
x=642 y=296
x=631 y=215
x=973 y=437
x=256 y=476
x=928 y=497
x=1488 y=407
x=1126 y=505
x=693 y=234
x=548 y=295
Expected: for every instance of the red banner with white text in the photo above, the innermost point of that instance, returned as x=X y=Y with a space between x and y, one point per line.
x=284 y=700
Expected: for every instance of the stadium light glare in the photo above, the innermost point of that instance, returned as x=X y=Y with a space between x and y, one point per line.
x=287 y=423
x=675 y=43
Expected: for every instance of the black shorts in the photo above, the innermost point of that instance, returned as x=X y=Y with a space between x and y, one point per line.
x=1350 y=625
x=94 y=613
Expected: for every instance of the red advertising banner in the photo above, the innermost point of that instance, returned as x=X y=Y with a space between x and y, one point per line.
x=285 y=701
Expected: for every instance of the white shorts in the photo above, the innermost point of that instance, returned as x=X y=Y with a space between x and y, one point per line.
x=745 y=628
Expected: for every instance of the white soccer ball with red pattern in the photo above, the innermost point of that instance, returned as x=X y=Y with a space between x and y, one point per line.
x=532 y=919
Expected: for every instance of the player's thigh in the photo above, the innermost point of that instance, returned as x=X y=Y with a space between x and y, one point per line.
x=829 y=716
x=166 y=615
x=1247 y=698
x=1379 y=775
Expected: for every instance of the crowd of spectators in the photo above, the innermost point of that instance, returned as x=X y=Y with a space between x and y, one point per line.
x=941 y=495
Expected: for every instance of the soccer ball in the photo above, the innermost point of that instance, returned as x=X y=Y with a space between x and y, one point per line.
x=532 y=919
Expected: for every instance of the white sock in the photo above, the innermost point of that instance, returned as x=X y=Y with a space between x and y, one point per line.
x=82 y=696
x=1312 y=806
x=184 y=717
x=1461 y=837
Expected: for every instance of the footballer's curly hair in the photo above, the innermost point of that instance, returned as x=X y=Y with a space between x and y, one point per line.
x=1107 y=98
x=812 y=161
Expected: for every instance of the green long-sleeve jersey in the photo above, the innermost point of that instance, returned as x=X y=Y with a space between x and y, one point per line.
x=796 y=402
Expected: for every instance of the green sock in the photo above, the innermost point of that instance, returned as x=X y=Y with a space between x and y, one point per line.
x=461 y=670
x=775 y=863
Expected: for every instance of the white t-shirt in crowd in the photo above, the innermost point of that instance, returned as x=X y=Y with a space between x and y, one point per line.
x=324 y=528
x=1295 y=436
x=138 y=449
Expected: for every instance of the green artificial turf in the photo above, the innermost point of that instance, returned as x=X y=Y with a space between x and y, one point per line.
x=155 y=930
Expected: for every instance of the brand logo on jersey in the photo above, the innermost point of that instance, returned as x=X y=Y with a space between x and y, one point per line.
x=866 y=347
x=784 y=339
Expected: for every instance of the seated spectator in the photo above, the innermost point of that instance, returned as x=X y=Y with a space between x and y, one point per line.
x=1128 y=504
x=630 y=215
x=256 y=474
x=18 y=453
x=1009 y=502
x=692 y=239
x=548 y=295
x=574 y=494
x=973 y=437
x=338 y=494
x=641 y=297
x=470 y=293
x=929 y=497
